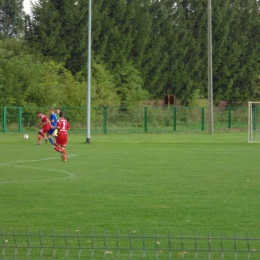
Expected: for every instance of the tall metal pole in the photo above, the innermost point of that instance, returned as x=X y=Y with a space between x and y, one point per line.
x=210 y=77
x=88 y=112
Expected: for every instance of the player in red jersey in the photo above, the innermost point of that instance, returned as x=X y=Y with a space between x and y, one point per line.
x=45 y=127
x=62 y=136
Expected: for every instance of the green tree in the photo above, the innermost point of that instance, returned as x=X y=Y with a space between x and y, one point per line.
x=112 y=32
x=156 y=52
x=104 y=91
x=186 y=39
x=236 y=50
x=29 y=80
x=129 y=85
x=141 y=22
x=58 y=28
x=162 y=42
x=11 y=18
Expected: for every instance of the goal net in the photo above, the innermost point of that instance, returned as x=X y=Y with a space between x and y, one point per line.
x=253 y=121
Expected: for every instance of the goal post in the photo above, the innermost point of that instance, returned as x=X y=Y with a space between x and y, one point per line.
x=253 y=121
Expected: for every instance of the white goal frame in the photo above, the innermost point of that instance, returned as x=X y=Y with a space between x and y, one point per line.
x=250 y=122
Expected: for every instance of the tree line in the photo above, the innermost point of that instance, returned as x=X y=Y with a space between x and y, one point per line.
x=140 y=48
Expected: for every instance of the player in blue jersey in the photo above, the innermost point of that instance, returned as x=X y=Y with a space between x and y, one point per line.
x=53 y=120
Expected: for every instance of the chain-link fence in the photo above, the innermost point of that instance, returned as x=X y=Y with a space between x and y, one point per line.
x=129 y=119
x=135 y=245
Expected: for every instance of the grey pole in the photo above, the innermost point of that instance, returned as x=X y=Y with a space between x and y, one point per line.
x=89 y=73
x=210 y=77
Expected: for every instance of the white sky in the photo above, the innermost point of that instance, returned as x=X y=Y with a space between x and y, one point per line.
x=27 y=6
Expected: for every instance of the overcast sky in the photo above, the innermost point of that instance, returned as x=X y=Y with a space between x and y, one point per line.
x=26 y=5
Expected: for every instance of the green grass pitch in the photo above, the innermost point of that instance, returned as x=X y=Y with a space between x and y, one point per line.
x=135 y=182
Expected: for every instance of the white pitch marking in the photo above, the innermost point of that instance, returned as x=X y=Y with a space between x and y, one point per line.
x=70 y=174
x=45 y=159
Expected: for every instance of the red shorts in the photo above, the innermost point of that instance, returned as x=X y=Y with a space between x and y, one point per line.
x=45 y=128
x=62 y=140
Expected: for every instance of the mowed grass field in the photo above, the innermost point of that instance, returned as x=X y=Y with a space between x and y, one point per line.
x=177 y=182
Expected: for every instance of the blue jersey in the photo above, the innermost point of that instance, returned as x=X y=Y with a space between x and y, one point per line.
x=53 y=119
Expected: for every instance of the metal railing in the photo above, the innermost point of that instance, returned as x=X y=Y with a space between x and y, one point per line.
x=129 y=119
x=135 y=245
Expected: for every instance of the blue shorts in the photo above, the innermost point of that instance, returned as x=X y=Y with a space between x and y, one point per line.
x=51 y=131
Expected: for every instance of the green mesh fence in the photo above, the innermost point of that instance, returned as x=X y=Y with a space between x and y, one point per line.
x=129 y=119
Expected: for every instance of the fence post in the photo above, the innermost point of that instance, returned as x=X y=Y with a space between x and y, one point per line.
x=4 y=119
x=202 y=119
x=145 y=119
x=105 y=120
x=20 y=120
x=174 y=118
x=229 y=117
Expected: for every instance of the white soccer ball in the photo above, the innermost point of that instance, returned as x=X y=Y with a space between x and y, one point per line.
x=26 y=136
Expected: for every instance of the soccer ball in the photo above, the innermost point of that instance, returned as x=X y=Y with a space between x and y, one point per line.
x=26 y=136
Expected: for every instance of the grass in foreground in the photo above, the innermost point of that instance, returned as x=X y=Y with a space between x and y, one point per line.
x=132 y=182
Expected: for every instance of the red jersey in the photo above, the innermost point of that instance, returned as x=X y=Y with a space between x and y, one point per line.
x=45 y=120
x=46 y=126
x=63 y=126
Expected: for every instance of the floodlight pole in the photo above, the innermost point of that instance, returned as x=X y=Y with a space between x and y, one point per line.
x=210 y=77
x=88 y=112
